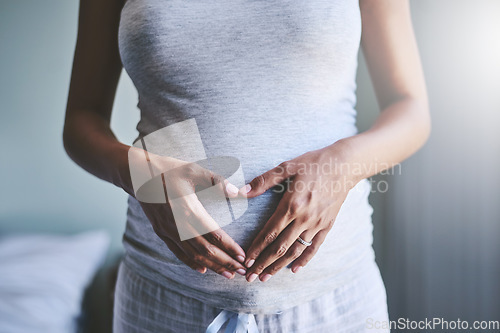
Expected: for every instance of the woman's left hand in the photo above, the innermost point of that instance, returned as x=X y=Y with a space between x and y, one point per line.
x=315 y=185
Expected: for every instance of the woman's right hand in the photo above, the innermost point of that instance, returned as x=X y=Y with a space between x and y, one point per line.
x=214 y=250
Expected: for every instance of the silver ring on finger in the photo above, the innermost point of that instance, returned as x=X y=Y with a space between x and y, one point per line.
x=303 y=242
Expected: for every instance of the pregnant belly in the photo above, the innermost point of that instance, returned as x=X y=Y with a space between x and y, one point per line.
x=346 y=250
x=245 y=228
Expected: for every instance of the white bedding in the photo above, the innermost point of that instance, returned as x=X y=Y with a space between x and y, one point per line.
x=43 y=278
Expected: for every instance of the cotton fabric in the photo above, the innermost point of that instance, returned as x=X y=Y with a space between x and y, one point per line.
x=265 y=81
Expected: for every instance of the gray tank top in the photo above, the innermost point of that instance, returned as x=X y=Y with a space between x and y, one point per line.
x=265 y=81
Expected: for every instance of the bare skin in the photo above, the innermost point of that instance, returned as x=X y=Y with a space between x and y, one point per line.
x=402 y=128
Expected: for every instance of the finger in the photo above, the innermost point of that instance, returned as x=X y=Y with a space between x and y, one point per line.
x=196 y=224
x=230 y=190
x=280 y=219
x=222 y=240
x=310 y=251
x=294 y=251
x=190 y=256
x=181 y=255
x=209 y=253
x=191 y=218
x=197 y=257
x=276 y=250
x=198 y=179
x=216 y=235
x=268 y=179
x=211 y=179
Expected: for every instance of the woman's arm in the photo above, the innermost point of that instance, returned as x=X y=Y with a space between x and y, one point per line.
x=89 y=141
x=392 y=57
x=88 y=138
x=403 y=126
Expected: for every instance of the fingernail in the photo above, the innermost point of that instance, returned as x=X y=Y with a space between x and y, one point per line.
x=201 y=270
x=250 y=263
x=227 y=275
x=240 y=258
x=247 y=188
x=231 y=189
x=241 y=271
x=296 y=269
x=266 y=277
x=252 y=277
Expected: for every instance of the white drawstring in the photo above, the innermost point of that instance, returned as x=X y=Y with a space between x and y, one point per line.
x=238 y=323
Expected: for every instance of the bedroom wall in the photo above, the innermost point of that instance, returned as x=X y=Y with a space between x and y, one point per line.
x=42 y=189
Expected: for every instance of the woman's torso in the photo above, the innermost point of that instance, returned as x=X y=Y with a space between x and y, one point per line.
x=265 y=81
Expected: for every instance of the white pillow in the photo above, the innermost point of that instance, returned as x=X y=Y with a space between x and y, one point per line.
x=43 y=278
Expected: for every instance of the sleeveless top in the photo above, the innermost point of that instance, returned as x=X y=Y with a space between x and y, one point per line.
x=265 y=81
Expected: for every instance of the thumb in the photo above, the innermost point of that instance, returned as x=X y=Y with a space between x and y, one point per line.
x=265 y=181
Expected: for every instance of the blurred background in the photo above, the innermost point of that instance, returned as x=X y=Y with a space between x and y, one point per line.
x=437 y=228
